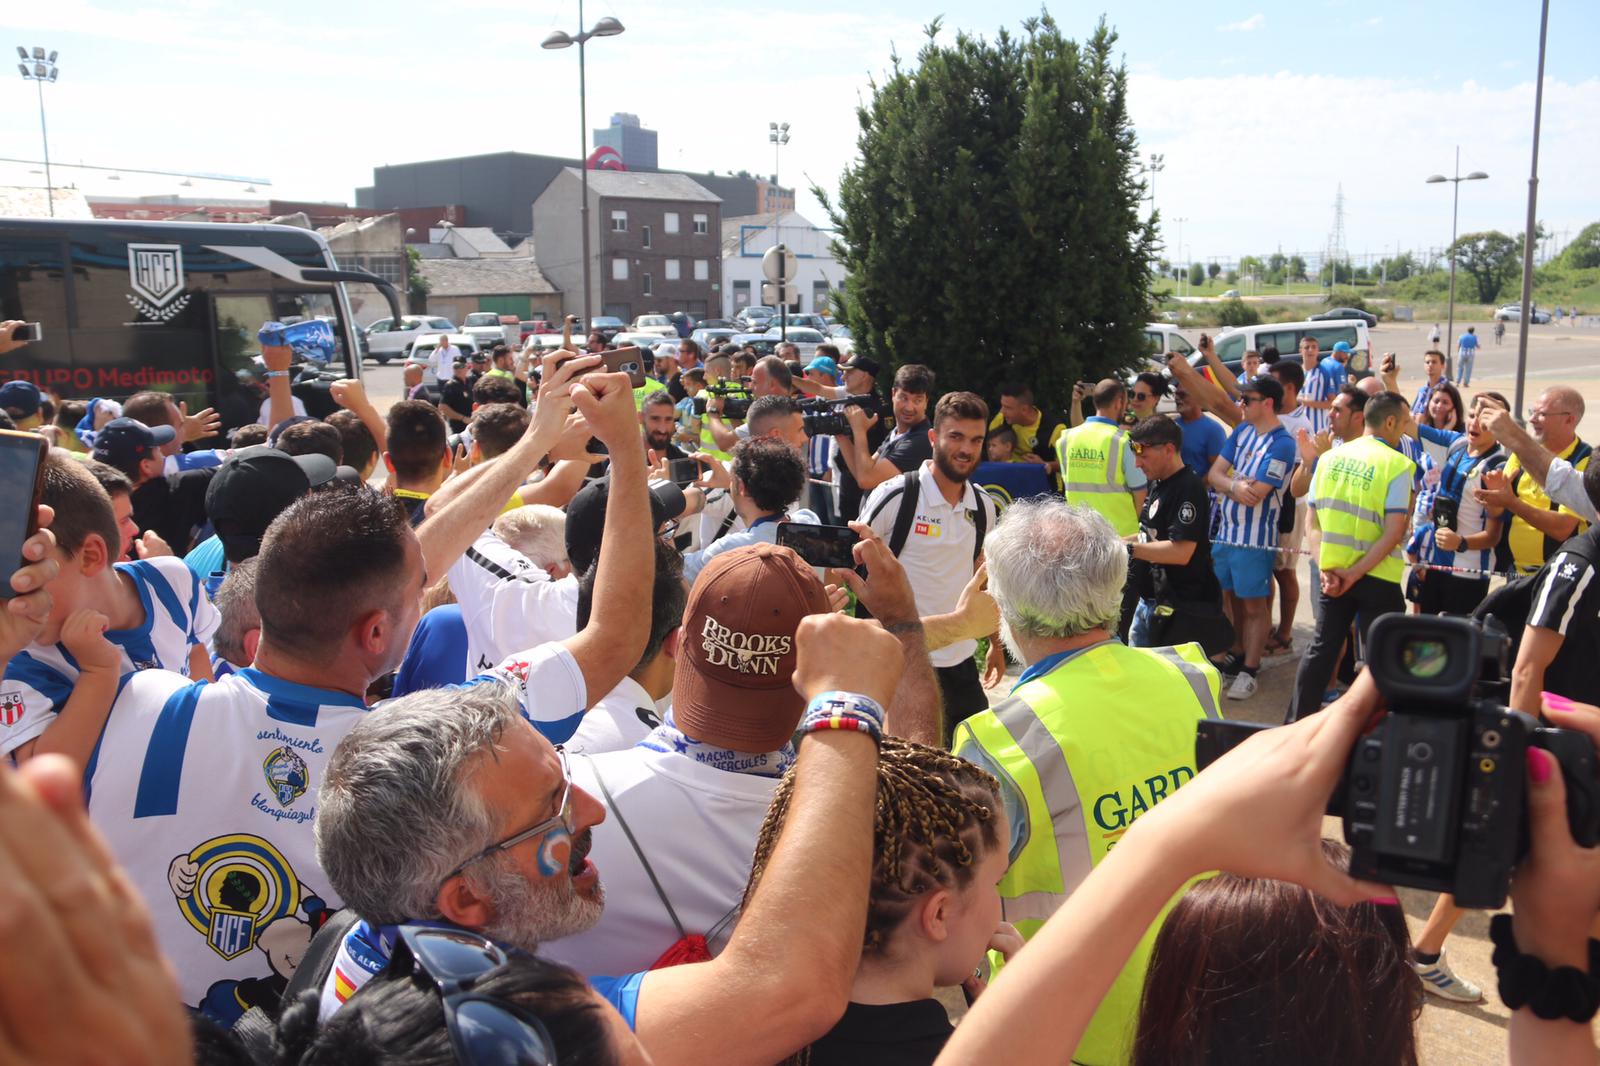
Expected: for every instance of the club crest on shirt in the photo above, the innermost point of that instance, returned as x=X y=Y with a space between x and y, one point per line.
x=1186 y=512
x=10 y=708
x=230 y=888
x=287 y=775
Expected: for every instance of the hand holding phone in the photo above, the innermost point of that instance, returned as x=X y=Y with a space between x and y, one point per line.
x=682 y=472
x=827 y=546
x=629 y=361
x=21 y=484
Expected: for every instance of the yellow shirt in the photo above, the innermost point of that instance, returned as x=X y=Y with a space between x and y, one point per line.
x=1529 y=546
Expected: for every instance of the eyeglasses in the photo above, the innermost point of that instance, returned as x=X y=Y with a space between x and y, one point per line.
x=484 y=1030
x=1141 y=396
x=564 y=819
x=1534 y=412
x=1249 y=398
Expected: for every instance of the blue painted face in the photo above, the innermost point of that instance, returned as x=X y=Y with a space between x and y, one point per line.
x=549 y=863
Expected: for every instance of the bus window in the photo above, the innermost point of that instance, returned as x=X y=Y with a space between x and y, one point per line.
x=32 y=290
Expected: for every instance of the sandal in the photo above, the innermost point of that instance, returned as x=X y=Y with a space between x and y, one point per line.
x=1276 y=646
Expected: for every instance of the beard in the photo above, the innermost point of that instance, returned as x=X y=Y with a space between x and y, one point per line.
x=658 y=441
x=1010 y=642
x=952 y=468
x=527 y=913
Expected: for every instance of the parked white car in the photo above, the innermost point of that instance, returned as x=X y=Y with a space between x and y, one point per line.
x=421 y=350
x=656 y=325
x=1513 y=313
x=487 y=327
x=384 y=342
x=801 y=337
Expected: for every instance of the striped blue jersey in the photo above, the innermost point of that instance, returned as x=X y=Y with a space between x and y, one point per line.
x=207 y=794
x=177 y=616
x=1320 y=385
x=1265 y=457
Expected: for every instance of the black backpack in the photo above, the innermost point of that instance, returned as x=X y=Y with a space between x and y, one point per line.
x=910 y=485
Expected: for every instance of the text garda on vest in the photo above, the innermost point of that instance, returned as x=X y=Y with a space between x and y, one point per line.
x=744 y=653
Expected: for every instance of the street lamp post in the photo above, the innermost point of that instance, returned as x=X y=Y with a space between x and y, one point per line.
x=778 y=135
x=1525 y=319
x=1157 y=164
x=606 y=27
x=1455 y=211
x=39 y=68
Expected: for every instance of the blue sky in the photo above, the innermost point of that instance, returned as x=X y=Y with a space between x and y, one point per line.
x=1262 y=109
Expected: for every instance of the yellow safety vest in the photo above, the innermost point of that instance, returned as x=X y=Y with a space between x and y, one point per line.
x=1091 y=470
x=650 y=385
x=1349 y=492
x=1089 y=747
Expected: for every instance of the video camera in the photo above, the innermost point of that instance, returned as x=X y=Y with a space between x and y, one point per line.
x=736 y=399
x=825 y=418
x=1435 y=796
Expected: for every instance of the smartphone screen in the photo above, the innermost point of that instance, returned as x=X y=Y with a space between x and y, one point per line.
x=629 y=361
x=820 y=545
x=21 y=480
x=683 y=472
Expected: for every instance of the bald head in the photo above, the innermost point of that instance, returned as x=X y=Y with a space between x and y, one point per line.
x=1554 y=417
x=1370 y=386
x=1567 y=398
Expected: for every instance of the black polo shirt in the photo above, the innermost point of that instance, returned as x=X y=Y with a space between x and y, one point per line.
x=908 y=450
x=1178 y=508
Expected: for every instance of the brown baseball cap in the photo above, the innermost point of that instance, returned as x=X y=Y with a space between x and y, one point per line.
x=736 y=665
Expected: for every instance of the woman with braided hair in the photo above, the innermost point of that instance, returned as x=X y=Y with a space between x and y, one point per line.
x=939 y=849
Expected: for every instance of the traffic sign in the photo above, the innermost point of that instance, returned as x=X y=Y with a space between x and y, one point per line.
x=779 y=263
x=774 y=295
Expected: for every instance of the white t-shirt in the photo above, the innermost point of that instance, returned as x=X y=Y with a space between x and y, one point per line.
x=507 y=603
x=177 y=616
x=206 y=793
x=622 y=718
x=698 y=827
x=938 y=553
x=266 y=410
x=1564 y=485
x=554 y=693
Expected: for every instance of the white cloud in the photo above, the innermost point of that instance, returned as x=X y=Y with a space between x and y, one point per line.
x=1254 y=22
x=1376 y=20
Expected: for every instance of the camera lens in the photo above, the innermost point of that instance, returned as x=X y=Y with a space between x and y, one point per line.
x=1424 y=659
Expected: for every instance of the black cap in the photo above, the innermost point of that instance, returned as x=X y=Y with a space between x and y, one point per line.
x=1266 y=386
x=124 y=442
x=255 y=486
x=586 y=517
x=861 y=362
x=479 y=356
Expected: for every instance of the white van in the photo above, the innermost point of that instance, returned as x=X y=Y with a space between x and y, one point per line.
x=1234 y=341
x=1163 y=337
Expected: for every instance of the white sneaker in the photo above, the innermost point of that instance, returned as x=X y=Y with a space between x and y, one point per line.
x=1243 y=687
x=1441 y=981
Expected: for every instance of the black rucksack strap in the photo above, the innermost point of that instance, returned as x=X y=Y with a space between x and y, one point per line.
x=980 y=524
x=909 y=488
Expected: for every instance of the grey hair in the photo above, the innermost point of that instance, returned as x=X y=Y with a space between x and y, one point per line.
x=1055 y=569
x=396 y=813
x=236 y=603
x=537 y=530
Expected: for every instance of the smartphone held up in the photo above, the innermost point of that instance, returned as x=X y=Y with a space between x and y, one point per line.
x=21 y=484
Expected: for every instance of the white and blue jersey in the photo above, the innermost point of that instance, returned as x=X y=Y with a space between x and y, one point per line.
x=177 y=616
x=207 y=794
x=1265 y=457
x=1320 y=385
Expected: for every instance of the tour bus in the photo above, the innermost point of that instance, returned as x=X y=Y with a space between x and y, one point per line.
x=174 y=307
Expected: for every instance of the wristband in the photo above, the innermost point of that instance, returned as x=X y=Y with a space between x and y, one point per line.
x=1562 y=992
x=275 y=374
x=843 y=710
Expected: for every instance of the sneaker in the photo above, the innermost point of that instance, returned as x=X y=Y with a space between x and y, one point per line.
x=1331 y=694
x=1441 y=981
x=1228 y=666
x=1243 y=687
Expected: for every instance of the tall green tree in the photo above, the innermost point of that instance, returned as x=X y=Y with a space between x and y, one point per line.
x=992 y=226
x=1197 y=274
x=1584 y=251
x=1297 y=268
x=1490 y=259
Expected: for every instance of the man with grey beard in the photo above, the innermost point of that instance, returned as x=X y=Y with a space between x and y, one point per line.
x=1095 y=732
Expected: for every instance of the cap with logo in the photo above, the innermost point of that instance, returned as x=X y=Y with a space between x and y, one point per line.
x=125 y=442
x=21 y=399
x=862 y=363
x=479 y=357
x=253 y=487
x=735 y=676
x=586 y=517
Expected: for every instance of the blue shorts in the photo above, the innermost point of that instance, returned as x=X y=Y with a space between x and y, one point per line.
x=1245 y=572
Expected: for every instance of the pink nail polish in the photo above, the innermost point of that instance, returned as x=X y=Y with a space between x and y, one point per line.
x=1556 y=703
x=1538 y=766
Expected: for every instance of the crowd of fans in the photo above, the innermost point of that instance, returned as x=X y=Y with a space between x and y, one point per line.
x=549 y=751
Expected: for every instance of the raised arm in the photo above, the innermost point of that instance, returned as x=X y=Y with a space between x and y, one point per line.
x=1225 y=381
x=619 y=625
x=794 y=953
x=352 y=396
x=1533 y=456
x=1208 y=395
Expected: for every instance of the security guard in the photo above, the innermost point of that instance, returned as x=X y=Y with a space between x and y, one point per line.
x=1097 y=465
x=1093 y=735
x=1361 y=499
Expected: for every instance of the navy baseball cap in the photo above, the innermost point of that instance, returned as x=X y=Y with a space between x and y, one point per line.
x=21 y=398
x=586 y=517
x=125 y=442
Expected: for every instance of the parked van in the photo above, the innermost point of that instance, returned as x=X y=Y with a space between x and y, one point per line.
x=1163 y=337
x=1233 y=342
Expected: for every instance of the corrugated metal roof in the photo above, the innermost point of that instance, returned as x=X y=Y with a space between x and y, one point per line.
x=485 y=277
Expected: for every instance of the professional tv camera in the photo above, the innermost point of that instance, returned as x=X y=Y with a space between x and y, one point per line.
x=736 y=399
x=825 y=418
x=1435 y=796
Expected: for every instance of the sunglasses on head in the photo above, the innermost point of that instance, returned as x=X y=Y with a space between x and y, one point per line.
x=484 y=1030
